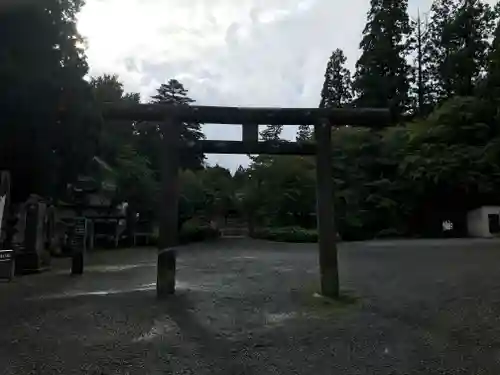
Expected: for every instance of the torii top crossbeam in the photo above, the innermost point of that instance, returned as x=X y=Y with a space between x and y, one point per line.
x=370 y=117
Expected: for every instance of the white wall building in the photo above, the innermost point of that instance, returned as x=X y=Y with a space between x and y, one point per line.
x=484 y=222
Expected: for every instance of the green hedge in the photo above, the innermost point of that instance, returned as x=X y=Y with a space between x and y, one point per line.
x=390 y=233
x=193 y=233
x=197 y=233
x=287 y=234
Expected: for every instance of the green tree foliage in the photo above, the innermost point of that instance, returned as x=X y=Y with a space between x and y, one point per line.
x=114 y=134
x=107 y=88
x=219 y=189
x=281 y=191
x=337 y=88
x=46 y=108
x=439 y=48
x=420 y=88
x=172 y=93
x=304 y=133
x=118 y=146
x=402 y=180
x=456 y=50
x=208 y=194
x=381 y=78
x=492 y=82
x=452 y=160
x=472 y=27
x=239 y=178
x=135 y=179
x=272 y=133
x=192 y=198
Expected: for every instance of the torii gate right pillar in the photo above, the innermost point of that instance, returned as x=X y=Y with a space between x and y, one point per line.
x=327 y=231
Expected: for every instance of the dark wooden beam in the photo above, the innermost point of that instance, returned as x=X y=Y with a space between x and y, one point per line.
x=250 y=132
x=371 y=117
x=253 y=148
x=327 y=232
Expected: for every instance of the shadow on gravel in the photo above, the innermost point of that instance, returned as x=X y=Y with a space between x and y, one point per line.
x=211 y=347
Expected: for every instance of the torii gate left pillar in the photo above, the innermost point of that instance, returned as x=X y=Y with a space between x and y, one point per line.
x=168 y=238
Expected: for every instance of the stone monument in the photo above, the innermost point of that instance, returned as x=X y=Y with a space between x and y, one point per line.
x=7 y=259
x=31 y=252
x=4 y=201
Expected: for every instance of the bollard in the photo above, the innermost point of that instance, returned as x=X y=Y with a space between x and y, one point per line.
x=78 y=245
x=165 y=282
x=77 y=263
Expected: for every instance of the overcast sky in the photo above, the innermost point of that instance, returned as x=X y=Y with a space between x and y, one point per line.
x=269 y=53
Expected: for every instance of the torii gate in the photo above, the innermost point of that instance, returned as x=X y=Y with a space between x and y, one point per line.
x=172 y=118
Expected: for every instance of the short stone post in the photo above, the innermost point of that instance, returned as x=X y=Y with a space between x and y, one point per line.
x=165 y=282
x=77 y=263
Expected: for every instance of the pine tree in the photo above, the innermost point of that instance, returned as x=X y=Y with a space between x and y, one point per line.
x=174 y=93
x=337 y=88
x=304 y=133
x=272 y=133
x=381 y=78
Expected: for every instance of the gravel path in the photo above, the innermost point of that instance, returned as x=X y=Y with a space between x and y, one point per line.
x=247 y=307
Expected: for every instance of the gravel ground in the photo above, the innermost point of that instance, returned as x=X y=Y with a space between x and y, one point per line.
x=247 y=307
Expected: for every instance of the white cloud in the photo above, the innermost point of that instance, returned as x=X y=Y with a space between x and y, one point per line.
x=226 y=52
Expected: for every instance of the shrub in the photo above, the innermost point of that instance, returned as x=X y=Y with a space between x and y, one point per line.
x=390 y=233
x=287 y=234
x=193 y=232
x=197 y=233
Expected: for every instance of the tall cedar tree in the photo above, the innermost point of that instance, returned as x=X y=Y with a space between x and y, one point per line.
x=381 y=78
x=174 y=93
x=337 y=89
x=49 y=128
x=456 y=50
x=493 y=77
x=439 y=48
x=420 y=87
x=472 y=26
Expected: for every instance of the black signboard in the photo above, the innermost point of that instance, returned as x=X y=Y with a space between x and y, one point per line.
x=6 y=255
x=6 y=264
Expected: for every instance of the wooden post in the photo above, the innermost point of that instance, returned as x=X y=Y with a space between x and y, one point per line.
x=250 y=132
x=165 y=281
x=327 y=232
